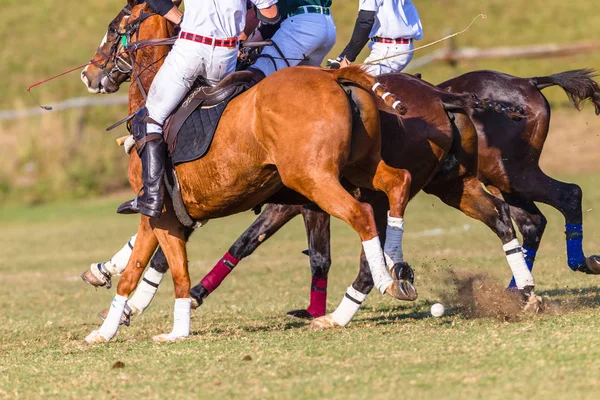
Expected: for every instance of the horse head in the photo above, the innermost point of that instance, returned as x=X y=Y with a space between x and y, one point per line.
x=111 y=64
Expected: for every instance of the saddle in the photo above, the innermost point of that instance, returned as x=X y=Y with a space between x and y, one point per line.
x=190 y=129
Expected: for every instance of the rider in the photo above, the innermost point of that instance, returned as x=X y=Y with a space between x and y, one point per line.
x=207 y=46
x=305 y=36
x=391 y=26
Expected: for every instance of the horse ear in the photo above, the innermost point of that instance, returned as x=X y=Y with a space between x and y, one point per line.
x=177 y=2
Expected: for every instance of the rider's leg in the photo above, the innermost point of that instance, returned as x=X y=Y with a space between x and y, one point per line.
x=298 y=38
x=186 y=61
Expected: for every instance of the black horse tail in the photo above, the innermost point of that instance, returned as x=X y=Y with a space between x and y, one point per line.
x=463 y=102
x=578 y=84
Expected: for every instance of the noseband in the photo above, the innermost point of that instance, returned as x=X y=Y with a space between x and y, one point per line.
x=120 y=53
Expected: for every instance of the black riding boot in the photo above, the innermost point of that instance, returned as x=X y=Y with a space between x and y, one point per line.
x=152 y=150
x=150 y=203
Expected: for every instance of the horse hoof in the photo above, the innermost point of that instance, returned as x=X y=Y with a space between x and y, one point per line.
x=593 y=265
x=95 y=338
x=402 y=271
x=195 y=303
x=89 y=278
x=533 y=302
x=167 y=338
x=322 y=323
x=125 y=317
x=300 y=314
x=402 y=290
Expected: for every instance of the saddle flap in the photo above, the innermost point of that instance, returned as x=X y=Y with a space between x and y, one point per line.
x=203 y=96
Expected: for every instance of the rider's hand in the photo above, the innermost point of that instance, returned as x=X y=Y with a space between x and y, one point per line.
x=334 y=63
x=345 y=63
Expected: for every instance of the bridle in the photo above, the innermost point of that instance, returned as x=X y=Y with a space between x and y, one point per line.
x=121 y=53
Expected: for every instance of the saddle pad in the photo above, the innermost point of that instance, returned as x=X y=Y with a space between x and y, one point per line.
x=196 y=133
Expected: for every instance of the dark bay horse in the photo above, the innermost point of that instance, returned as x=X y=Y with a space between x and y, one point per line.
x=421 y=141
x=508 y=164
x=273 y=146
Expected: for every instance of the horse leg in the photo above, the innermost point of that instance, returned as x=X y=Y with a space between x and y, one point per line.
x=273 y=217
x=531 y=223
x=395 y=183
x=469 y=197
x=317 y=224
x=173 y=238
x=566 y=198
x=143 y=249
x=148 y=286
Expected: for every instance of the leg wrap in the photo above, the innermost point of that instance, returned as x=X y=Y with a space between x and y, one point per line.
x=575 y=255
x=348 y=307
x=146 y=291
x=529 y=260
x=318 y=297
x=213 y=279
x=516 y=261
x=119 y=261
x=374 y=255
x=111 y=324
x=393 y=241
x=181 y=318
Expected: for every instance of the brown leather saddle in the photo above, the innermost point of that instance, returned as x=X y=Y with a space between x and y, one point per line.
x=203 y=96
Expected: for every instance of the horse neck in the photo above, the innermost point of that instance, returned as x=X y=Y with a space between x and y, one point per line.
x=154 y=28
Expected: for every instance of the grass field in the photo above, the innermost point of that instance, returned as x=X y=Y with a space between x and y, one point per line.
x=390 y=350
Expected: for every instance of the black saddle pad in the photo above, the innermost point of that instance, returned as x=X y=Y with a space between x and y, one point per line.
x=196 y=134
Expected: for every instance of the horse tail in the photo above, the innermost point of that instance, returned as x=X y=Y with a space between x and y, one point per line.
x=368 y=82
x=463 y=102
x=578 y=84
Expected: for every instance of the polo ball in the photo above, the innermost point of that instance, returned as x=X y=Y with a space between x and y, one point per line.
x=437 y=310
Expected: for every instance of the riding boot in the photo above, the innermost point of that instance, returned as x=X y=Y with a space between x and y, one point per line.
x=150 y=203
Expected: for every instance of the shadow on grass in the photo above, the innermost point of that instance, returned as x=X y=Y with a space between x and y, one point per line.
x=574 y=298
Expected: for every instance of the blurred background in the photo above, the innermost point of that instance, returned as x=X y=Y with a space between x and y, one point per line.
x=67 y=154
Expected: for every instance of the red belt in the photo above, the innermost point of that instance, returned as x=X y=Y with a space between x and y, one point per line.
x=391 y=41
x=231 y=42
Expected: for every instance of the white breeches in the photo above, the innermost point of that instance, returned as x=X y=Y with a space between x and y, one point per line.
x=185 y=63
x=303 y=39
x=394 y=64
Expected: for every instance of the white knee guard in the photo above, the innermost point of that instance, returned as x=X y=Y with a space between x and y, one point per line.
x=348 y=307
x=145 y=291
x=516 y=261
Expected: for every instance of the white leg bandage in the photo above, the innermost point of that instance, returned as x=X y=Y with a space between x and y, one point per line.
x=111 y=324
x=117 y=263
x=181 y=324
x=348 y=307
x=381 y=275
x=516 y=261
x=145 y=291
x=393 y=241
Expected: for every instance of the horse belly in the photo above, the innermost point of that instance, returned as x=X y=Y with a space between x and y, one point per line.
x=218 y=189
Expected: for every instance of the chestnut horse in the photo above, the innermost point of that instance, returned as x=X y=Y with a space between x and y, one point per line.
x=263 y=143
x=421 y=142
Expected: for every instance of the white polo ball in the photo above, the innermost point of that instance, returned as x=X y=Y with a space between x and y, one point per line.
x=437 y=310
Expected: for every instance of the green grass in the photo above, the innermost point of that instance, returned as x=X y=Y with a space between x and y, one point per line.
x=44 y=37
x=392 y=349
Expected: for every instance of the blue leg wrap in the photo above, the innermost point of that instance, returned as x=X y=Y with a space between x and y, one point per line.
x=529 y=259
x=575 y=255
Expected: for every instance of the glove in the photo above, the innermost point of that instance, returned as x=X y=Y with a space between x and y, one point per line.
x=334 y=63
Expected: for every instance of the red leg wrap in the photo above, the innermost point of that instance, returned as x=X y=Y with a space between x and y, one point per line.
x=318 y=297
x=213 y=279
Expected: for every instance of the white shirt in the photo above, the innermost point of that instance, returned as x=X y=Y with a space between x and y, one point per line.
x=394 y=19
x=220 y=19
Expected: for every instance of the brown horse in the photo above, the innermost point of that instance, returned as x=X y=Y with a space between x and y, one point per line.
x=420 y=142
x=508 y=164
x=273 y=145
